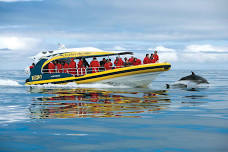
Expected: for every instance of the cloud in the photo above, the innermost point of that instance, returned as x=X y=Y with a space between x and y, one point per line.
x=203 y=58
x=18 y=0
x=112 y=20
x=166 y=54
x=119 y=48
x=206 y=53
x=205 y=48
x=17 y=43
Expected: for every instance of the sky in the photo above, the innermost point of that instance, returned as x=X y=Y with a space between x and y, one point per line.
x=189 y=34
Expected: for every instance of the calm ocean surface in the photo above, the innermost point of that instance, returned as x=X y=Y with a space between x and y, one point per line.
x=120 y=119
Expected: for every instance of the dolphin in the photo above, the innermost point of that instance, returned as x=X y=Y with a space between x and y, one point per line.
x=191 y=78
x=194 y=78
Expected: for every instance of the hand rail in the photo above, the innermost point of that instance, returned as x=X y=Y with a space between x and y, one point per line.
x=78 y=71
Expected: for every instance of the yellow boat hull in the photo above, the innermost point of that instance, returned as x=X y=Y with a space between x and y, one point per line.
x=132 y=75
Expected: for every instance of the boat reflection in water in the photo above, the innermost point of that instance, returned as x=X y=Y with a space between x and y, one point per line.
x=83 y=102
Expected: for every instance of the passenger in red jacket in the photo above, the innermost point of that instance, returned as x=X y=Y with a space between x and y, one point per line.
x=126 y=62
x=146 y=59
x=131 y=60
x=51 y=67
x=152 y=58
x=32 y=66
x=81 y=68
x=94 y=64
x=137 y=61
x=108 y=64
x=59 y=67
x=155 y=56
x=65 y=68
x=72 y=67
x=118 y=62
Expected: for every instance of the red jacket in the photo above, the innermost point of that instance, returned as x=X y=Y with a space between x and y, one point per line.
x=65 y=68
x=108 y=65
x=156 y=58
x=94 y=64
x=51 y=67
x=80 y=64
x=81 y=68
x=119 y=63
x=137 y=62
x=59 y=68
x=152 y=60
x=131 y=60
x=146 y=60
x=72 y=67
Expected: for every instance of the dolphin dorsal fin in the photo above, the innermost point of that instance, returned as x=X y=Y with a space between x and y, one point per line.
x=193 y=73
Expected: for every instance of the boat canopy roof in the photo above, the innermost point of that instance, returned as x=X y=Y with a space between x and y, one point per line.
x=77 y=53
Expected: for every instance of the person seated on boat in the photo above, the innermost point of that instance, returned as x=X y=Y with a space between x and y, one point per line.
x=59 y=67
x=51 y=67
x=137 y=61
x=94 y=64
x=65 y=67
x=102 y=62
x=81 y=67
x=85 y=63
x=156 y=57
x=32 y=66
x=152 y=58
x=72 y=67
x=126 y=62
x=45 y=69
x=118 y=62
x=131 y=60
x=108 y=64
x=146 y=59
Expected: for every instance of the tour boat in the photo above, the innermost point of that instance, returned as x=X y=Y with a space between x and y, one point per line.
x=132 y=75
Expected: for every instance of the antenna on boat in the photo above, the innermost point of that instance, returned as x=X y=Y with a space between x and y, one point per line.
x=61 y=46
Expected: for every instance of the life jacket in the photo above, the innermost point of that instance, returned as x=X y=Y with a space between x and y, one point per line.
x=131 y=60
x=72 y=67
x=108 y=65
x=119 y=63
x=81 y=68
x=152 y=60
x=156 y=58
x=59 y=68
x=146 y=60
x=94 y=64
x=137 y=62
x=65 y=68
x=115 y=62
x=51 y=67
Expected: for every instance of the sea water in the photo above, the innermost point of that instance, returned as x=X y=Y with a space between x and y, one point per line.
x=101 y=117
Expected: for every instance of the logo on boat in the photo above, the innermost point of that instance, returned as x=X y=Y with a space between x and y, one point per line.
x=55 y=76
x=36 y=77
x=75 y=54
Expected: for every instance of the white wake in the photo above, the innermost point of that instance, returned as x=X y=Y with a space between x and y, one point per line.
x=190 y=84
x=74 y=85
x=7 y=82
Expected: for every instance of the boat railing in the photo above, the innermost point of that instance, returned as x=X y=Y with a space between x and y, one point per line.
x=78 y=71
